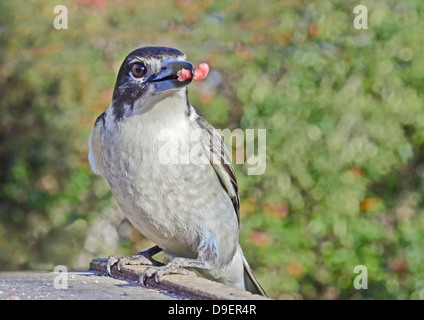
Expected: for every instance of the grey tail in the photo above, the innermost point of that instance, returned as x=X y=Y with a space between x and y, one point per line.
x=250 y=282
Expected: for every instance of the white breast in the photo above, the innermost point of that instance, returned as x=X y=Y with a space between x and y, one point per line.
x=169 y=200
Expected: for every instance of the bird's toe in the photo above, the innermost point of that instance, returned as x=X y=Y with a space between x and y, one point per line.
x=133 y=260
x=156 y=272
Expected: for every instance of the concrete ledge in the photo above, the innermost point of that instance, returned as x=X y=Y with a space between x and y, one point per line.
x=79 y=285
x=180 y=286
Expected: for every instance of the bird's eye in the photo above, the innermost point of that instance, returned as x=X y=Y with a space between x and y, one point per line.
x=138 y=70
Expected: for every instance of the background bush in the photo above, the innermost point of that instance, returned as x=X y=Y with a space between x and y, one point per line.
x=342 y=109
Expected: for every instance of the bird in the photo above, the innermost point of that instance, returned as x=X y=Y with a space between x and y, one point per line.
x=170 y=173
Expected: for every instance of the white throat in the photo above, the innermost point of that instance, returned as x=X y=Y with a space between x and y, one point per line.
x=164 y=105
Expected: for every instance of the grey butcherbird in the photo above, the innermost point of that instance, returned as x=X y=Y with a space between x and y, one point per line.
x=190 y=209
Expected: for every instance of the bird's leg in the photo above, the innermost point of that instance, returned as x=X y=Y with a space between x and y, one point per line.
x=206 y=259
x=142 y=258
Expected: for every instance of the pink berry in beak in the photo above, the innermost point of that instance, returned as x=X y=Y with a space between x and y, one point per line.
x=183 y=75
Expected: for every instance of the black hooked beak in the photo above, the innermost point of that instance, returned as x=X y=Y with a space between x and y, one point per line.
x=167 y=78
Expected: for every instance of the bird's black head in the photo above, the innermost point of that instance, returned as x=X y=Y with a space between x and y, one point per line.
x=147 y=72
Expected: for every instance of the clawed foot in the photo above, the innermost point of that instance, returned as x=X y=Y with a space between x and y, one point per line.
x=156 y=272
x=156 y=269
x=143 y=258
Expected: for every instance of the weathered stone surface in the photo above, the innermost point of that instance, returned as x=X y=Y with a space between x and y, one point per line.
x=80 y=286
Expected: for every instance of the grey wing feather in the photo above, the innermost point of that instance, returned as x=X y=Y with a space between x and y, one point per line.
x=95 y=156
x=220 y=161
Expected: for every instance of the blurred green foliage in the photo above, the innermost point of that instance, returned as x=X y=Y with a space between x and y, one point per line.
x=342 y=109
